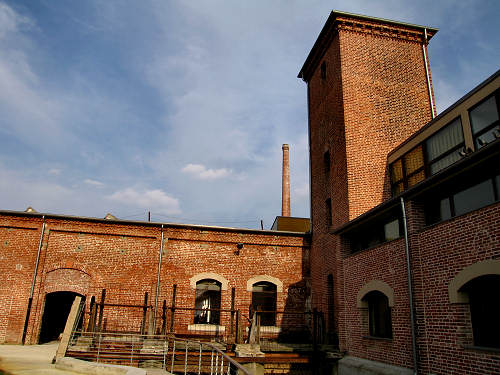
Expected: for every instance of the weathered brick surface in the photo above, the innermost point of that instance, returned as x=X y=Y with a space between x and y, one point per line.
x=85 y=257
x=373 y=97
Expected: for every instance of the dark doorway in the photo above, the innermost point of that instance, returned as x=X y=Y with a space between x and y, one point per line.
x=55 y=314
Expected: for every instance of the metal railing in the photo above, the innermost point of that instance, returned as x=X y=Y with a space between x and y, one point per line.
x=179 y=356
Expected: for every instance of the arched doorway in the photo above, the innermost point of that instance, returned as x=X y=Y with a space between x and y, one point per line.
x=55 y=314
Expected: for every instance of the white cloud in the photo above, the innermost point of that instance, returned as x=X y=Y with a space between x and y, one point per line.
x=54 y=171
x=147 y=199
x=201 y=172
x=88 y=181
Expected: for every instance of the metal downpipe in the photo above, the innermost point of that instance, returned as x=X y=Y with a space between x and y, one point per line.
x=410 y=289
x=427 y=75
x=30 y=300
x=158 y=280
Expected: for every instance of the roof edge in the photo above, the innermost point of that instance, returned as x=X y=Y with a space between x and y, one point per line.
x=149 y=224
x=334 y=14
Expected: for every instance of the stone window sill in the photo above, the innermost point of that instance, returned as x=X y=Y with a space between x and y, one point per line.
x=206 y=327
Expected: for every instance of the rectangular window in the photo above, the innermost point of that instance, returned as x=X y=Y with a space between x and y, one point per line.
x=462 y=201
x=475 y=197
x=484 y=121
x=441 y=149
x=377 y=231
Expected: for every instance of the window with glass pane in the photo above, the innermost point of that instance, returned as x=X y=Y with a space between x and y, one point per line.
x=391 y=230
x=414 y=166
x=442 y=148
x=207 y=302
x=484 y=121
x=264 y=300
x=397 y=177
x=475 y=197
x=437 y=210
x=379 y=315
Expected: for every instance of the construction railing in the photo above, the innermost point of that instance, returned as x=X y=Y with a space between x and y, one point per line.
x=176 y=355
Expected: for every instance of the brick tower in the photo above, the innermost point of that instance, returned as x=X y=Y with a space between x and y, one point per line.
x=368 y=88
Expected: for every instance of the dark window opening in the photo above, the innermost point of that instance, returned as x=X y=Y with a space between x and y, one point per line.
x=326 y=163
x=379 y=315
x=207 y=302
x=484 y=119
x=328 y=209
x=381 y=229
x=264 y=301
x=459 y=201
x=484 y=302
x=55 y=314
x=323 y=70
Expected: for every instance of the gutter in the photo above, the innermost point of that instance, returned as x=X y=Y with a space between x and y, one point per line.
x=410 y=290
x=30 y=300
x=158 y=281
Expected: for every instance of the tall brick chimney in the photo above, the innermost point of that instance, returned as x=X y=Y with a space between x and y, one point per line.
x=285 y=184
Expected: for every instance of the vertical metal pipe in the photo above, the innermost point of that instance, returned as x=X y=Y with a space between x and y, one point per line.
x=158 y=280
x=30 y=299
x=427 y=75
x=186 y=358
x=173 y=358
x=410 y=288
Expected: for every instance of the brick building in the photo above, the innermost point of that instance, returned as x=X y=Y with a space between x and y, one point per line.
x=420 y=290
x=84 y=255
x=403 y=254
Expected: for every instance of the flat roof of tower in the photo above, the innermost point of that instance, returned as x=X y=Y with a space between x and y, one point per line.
x=337 y=14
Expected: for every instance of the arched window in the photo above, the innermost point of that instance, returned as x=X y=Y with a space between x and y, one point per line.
x=484 y=302
x=207 y=302
x=379 y=314
x=264 y=299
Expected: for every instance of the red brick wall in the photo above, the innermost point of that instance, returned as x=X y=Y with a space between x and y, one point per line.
x=374 y=96
x=386 y=99
x=438 y=254
x=86 y=257
x=441 y=252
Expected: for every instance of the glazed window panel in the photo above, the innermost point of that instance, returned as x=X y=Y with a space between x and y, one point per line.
x=414 y=160
x=397 y=171
x=473 y=198
x=444 y=162
x=442 y=148
x=416 y=178
x=485 y=122
x=207 y=302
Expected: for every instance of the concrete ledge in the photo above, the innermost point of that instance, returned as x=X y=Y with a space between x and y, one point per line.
x=92 y=368
x=359 y=366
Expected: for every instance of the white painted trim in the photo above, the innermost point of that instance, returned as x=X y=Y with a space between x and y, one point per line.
x=208 y=275
x=270 y=279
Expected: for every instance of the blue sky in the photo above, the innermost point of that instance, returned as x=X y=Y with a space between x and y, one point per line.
x=181 y=107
